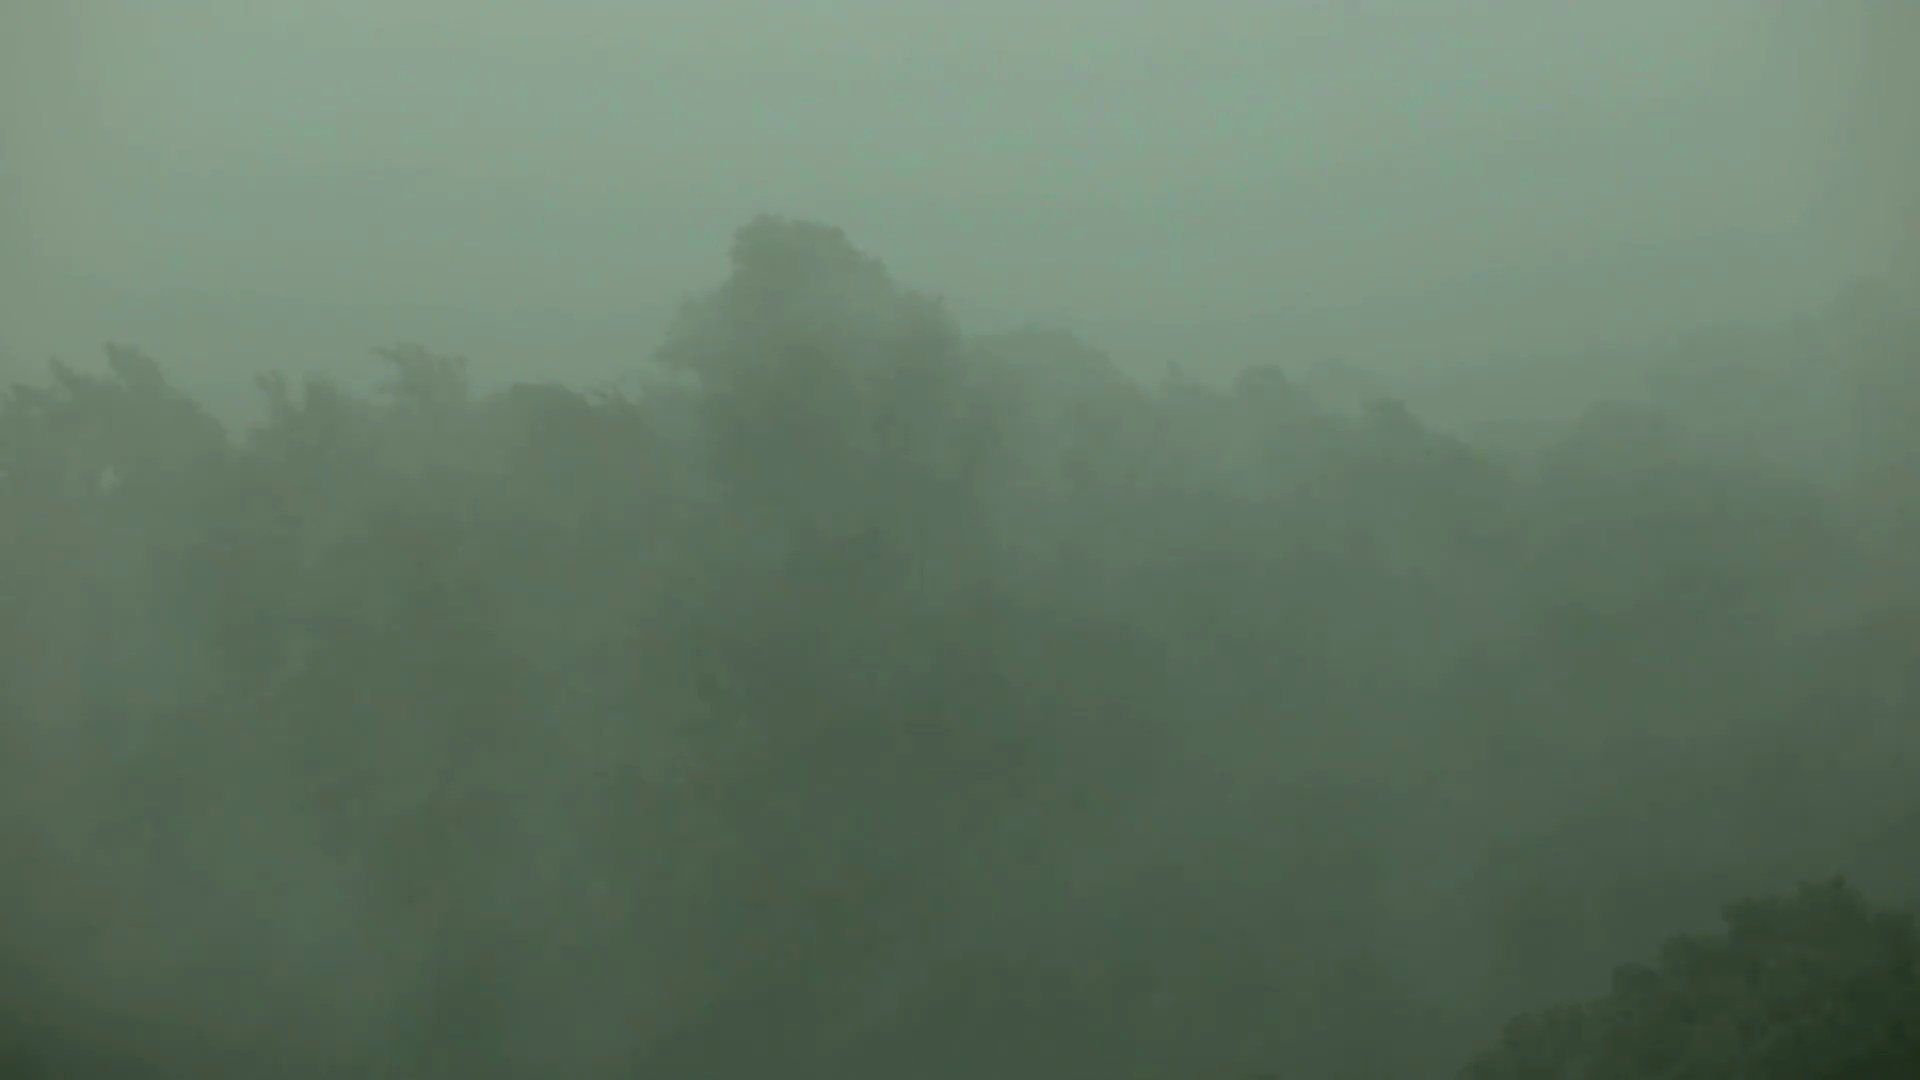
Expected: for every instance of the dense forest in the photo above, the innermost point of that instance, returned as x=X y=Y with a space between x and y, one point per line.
x=860 y=696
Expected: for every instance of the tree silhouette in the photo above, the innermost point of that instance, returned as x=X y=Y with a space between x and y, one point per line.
x=1818 y=985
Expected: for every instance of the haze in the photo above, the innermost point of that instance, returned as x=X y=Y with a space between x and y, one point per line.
x=225 y=180
x=933 y=540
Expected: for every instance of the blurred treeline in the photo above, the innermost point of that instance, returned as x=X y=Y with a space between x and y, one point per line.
x=862 y=698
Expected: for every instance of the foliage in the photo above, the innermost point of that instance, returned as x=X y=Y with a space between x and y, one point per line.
x=864 y=697
x=1813 y=986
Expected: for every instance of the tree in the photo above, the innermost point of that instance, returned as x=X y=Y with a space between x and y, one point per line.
x=1817 y=985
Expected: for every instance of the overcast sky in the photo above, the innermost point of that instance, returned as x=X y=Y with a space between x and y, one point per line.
x=222 y=177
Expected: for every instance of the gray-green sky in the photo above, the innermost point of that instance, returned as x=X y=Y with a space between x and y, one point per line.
x=219 y=178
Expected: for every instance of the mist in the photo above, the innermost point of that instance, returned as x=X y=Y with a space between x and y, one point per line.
x=879 y=539
x=1347 y=178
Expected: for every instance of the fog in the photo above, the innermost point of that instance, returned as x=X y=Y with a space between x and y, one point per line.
x=223 y=179
x=916 y=539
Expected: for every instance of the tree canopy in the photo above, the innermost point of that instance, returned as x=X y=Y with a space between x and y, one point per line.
x=1815 y=985
x=866 y=696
